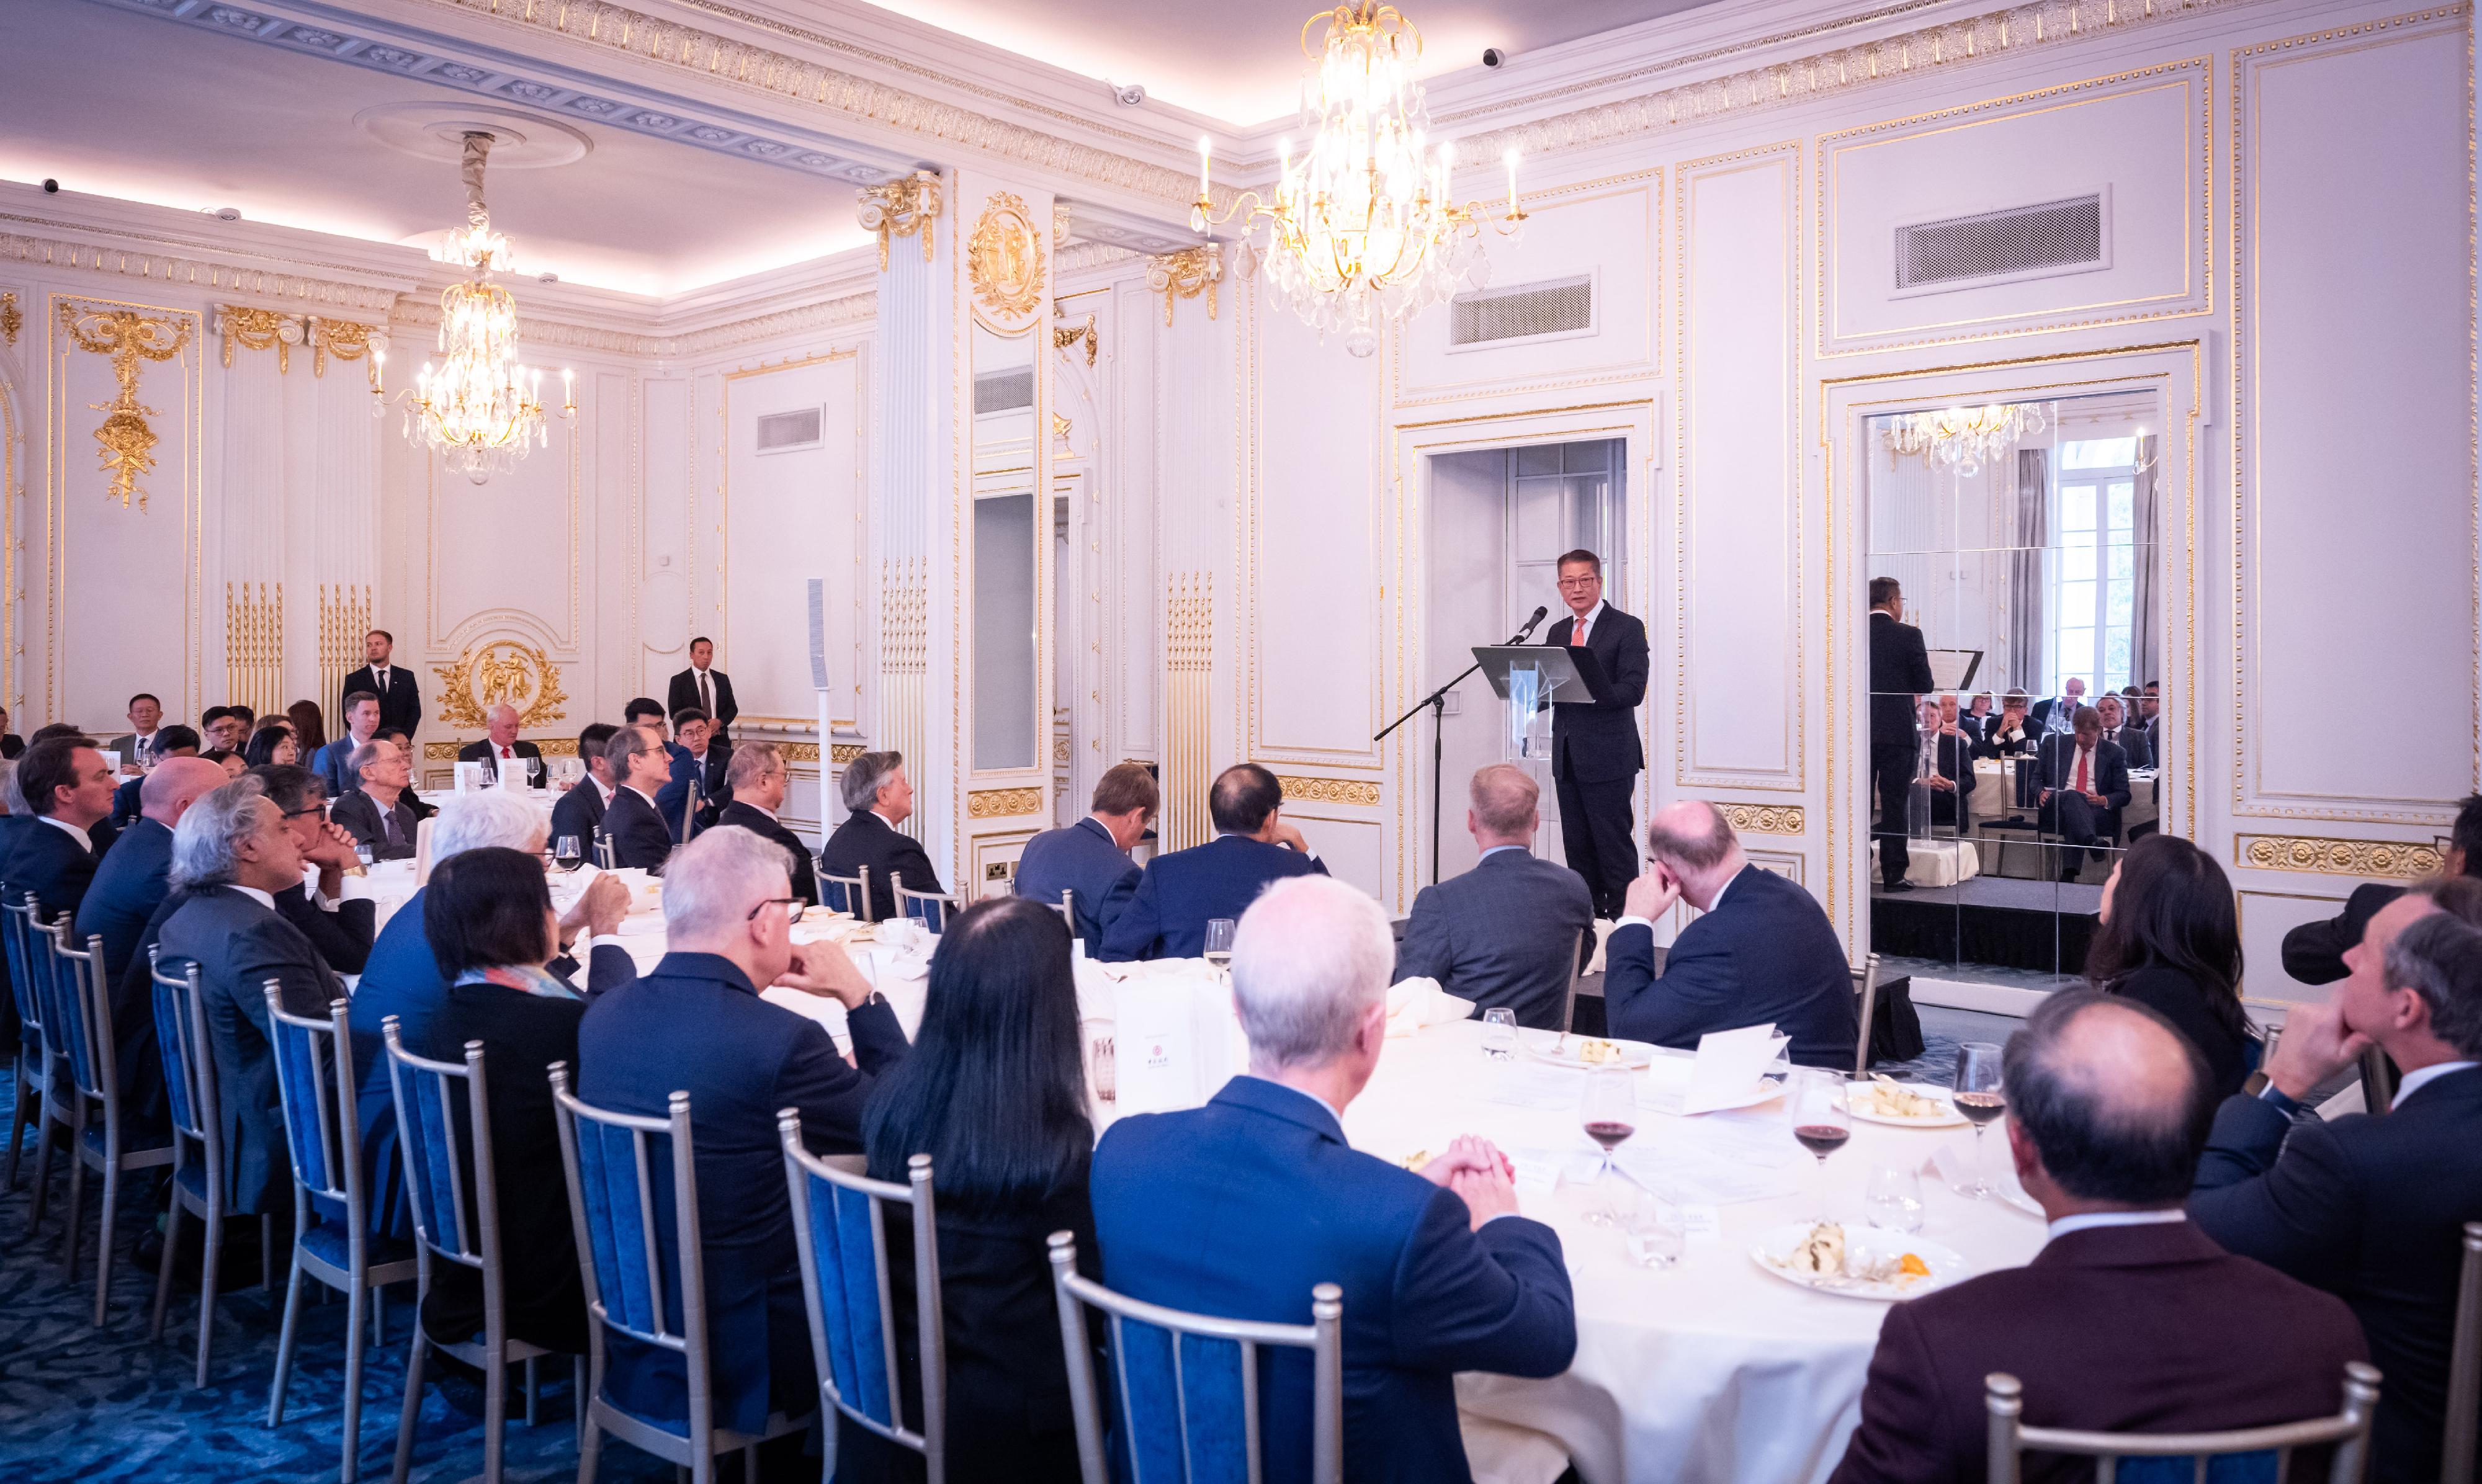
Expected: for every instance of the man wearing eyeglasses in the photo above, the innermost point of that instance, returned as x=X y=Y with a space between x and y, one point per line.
x=1595 y=755
x=342 y=930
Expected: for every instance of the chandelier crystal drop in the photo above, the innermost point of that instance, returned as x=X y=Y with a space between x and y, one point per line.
x=1962 y=438
x=478 y=409
x=1361 y=228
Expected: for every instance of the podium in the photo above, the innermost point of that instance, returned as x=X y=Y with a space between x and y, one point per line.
x=1529 y=678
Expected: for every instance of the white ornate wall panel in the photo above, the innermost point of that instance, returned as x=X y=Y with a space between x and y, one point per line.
x=2357 y=560
x=2137 y=139
x=1740 y=600
x=1134 y=624
x=663 y=530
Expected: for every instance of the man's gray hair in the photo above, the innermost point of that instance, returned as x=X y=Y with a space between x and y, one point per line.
x=489 y=816
x=865 y=776
x=206 y=844
x=751 y=763
x=493 y=713
x=12 y=793
x=366 y=755
x=2439 y=957
x=1309 y=958
x=711 y=883
x=1703 y=851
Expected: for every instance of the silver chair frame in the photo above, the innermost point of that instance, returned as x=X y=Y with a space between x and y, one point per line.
x=2465 y=1367
x=1068 y=909
x=192 y=1063
x=602 y=848
x=905 y=896
x=1323 y=1336
x=35 y=1055
x=2003 y=1398
x=94 y=1075
x=857 y=889
x=696 y=1452
x=1578 y=959
x=340 y=1150
x=1865 y=983
x=493 y=1356
x=929 y=1317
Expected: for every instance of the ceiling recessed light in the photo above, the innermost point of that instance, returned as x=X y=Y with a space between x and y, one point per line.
x=228 y=213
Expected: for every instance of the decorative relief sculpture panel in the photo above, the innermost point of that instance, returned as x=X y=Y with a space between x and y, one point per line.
x=902 y=208
x=501 y=672
x=260 y=330
x=1004 y=258
x=1362 y=793
x=2322 y=857
x=128 y=441
x=1185 y=275
x=1003 y=803
x=1764 y=818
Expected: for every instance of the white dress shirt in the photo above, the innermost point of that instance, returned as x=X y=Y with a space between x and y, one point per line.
x=2092 y=1219
x=262 y=898
x=2415 y=1081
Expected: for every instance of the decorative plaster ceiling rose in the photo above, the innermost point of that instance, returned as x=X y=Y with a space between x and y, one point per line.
x=436 y=131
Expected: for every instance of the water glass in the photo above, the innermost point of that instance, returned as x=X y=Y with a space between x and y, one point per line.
x=1499 y=1034
x=1893 y=1198
x=1655 y=1227
x=1219 y=941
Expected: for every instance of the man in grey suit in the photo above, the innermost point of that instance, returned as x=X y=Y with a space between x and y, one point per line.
x=1505 y=934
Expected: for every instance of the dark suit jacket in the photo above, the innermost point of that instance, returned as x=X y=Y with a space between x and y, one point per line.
x=1765 y=953
x=125 y=804
x=579 y=812
x=696 y=1025
x=358 y=814
x=238 y=946
x=1502 y=935
x=1084 y=861
x=1179 y=893
x=481 y=751
x=2313 y=952
x=805 y=880
x=1595 y=741
x=343 y=936
x=673 y=796
x=2178 y=997
x=638 y=835
x=46 y=861
x=2133 y=745
x=866 y=839
x=2372 y=1210
x=682 y=694
x=399 y=704
x=1900 y=674
x=328 y=762
x=1239 y=1208
x=1955 y=763
x=1997 y=744
x=2108 y=772
x=128 y=887
x=2117 y=1329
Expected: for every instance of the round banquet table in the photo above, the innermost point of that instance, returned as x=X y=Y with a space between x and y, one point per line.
x=1714 y=1370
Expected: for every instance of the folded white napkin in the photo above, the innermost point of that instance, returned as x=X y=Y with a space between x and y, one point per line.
x=1419 y=1001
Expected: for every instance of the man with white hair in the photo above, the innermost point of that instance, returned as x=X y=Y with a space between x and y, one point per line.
x=879 y=798
x=502 y=748
x=401 y=978
x=376 y=812
x=1507 y=933
x=231 y=854
x=1240 y=1207
x=635 y=828
x=697 y=1026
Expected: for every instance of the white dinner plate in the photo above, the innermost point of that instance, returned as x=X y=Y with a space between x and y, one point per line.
x=1869 y=1244
x=1562 y=1050
x=1947 y=1117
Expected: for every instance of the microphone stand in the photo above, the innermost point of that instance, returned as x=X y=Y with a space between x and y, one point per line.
x=1437 y=703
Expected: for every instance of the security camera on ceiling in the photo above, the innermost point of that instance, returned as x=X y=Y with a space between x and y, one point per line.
x=51 y=187
x=1494 y=57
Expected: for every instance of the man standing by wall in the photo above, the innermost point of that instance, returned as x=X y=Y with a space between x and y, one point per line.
x=707 y=689
x=1595 y=755
x=1900 y=672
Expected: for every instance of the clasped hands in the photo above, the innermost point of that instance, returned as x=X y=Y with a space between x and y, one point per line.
x=1481 y=1176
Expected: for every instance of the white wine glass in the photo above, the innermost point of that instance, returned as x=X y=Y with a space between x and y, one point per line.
x=1219 y=941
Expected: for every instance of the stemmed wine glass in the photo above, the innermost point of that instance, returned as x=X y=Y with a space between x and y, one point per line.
x=566 y=852
x=1608 y=1110
x=1219 y=942
x=1815 y=1102
x=1979 y=1097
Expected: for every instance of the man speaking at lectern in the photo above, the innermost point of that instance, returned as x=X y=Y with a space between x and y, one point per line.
x=1594 y=750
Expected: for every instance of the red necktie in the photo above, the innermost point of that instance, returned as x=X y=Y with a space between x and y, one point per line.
x=504 y=752
x=2081 y=771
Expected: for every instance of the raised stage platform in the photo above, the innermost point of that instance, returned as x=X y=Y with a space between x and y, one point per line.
x=2040 y=925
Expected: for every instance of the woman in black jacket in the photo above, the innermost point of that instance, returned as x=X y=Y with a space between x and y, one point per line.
x=994 y=1091
x=2171 y=940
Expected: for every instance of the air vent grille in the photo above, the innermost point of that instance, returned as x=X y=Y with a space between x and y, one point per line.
x=783 y=432
x=1003 y=391
x=2025 y=240
x=1558 y=307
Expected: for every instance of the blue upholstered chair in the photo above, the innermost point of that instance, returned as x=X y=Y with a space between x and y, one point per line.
x=448 y=1181
x=839 y=1225
x=81 y=1019
x=197 y=1154
x=614 y=1167
x=331 y=1235
x=1187 y=1385
x=2252 y=1455
x=847 y=893
x=930 y=909
x=34 y=1047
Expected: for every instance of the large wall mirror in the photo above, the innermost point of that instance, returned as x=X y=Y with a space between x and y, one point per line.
x=1007 y=547
x=2021 y=541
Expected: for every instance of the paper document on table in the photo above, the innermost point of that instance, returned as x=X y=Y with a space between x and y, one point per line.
x=1540 y=1171
x=1693 y=1176
x=1523 y=1085
x=1742 y=1138
x=1728 y=1062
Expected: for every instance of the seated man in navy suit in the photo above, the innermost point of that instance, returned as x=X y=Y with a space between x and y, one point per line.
x=636 y=758
x=129 y=884
x=579 y=813
x=1505 y=934
x=1240 y=1207
x=2084 y=787
x=1183 y=891
x=1760 y=951
x=69 y=789
x=877 y=798
x=1090 y=860
x=699 y=767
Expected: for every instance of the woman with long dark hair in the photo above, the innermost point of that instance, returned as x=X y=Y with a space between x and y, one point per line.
x=2170 y=939
x=309 y=731
x=273 y=742
x=994 y=1091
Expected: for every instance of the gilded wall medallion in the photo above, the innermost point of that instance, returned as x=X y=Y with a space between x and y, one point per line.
x=1004 y=257
x=501 y=672
x=128 y=337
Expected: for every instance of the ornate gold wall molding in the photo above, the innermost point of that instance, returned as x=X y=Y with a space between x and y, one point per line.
x=1185 y=275
x=1003 y=803
x=1362 y=793
x=1004 y=257
x=344 y=622
x=128 y=337
x=141 y=259
x=1063 y=336
x=260 y=330
x=798 y=751
x=11 y=318
x=550 y=747
x=1188 y=658
x=902 y=208
x=346 y=340
x=841 y=752
x=1765 y=818
x=2319 y=856
x=502 y=671
x=254 y=646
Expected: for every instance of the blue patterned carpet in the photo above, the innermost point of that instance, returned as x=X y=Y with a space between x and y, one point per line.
x=79 y=1403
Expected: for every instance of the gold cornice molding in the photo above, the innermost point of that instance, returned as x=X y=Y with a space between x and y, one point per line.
x=260 y=330
x=146 y=262
x=902 y=208
x=1003 y=803
x=2320 y=856
x=841 y=752
x=1299 y=788
x=1765 y=818
x=1185 y=274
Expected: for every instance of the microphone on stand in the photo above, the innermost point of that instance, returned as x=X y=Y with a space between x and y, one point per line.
x=1528 y=631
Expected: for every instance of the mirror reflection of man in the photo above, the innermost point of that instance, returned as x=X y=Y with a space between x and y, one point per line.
x=2059 y=713
x=1595 y=755
x=1900 y=671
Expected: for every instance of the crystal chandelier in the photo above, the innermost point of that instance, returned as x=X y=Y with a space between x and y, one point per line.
x=1962 y=439
x=479 y=410
x=1361 y=228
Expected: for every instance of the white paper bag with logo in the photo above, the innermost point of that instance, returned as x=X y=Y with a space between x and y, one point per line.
x=1154 y=1048
x=1728 y=1065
